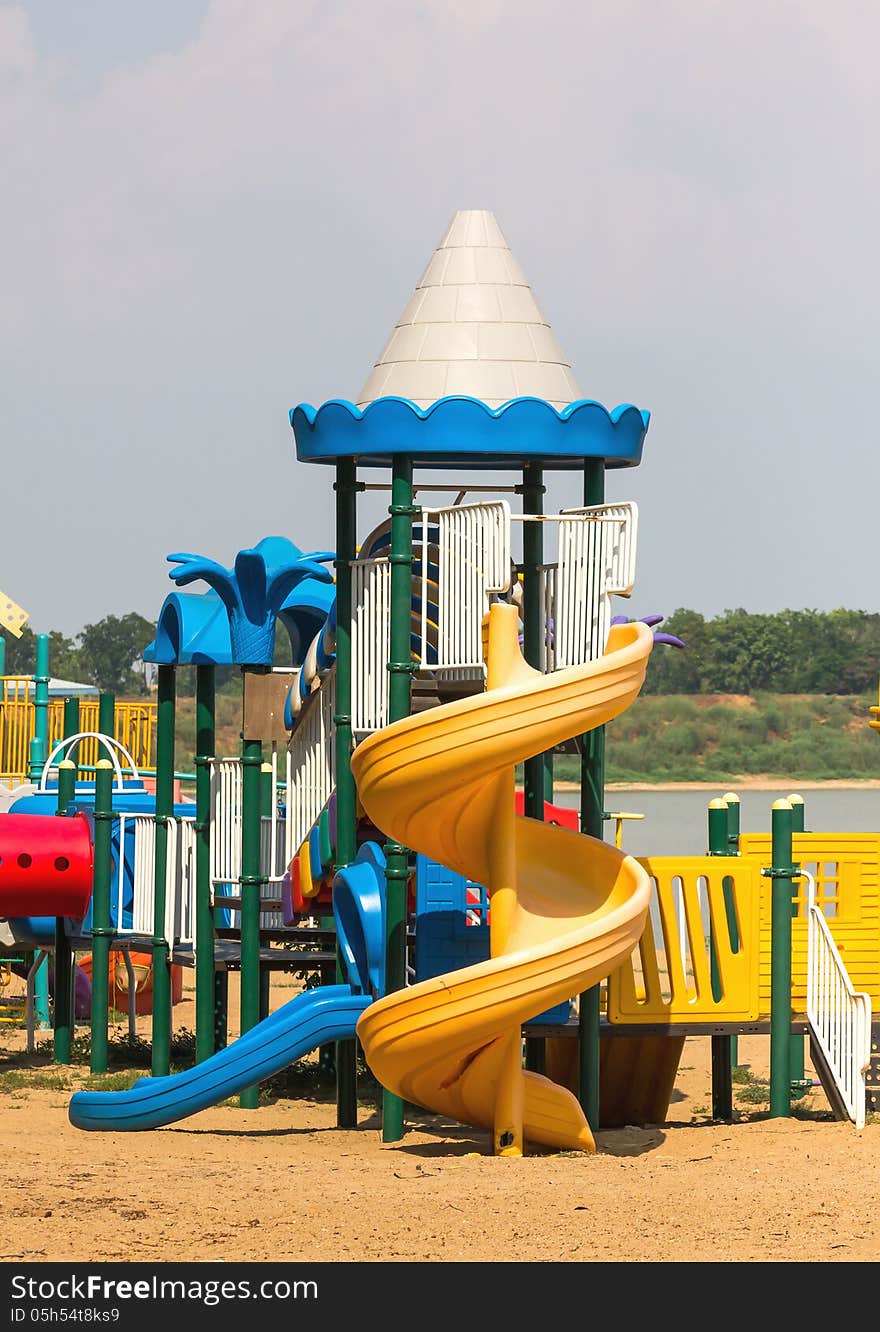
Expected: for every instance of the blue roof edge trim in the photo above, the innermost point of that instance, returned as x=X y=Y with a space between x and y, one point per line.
x=466 y=432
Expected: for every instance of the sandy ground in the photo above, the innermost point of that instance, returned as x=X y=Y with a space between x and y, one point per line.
x=283 y=1182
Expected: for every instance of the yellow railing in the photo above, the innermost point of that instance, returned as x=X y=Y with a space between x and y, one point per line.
x=725 y=901
x=669 y=977
x=134 y=727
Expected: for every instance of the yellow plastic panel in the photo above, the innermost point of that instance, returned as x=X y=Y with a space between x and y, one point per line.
x=846 y=867
x=668 y=978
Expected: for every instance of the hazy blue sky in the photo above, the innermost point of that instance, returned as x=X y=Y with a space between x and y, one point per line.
x=215 y=209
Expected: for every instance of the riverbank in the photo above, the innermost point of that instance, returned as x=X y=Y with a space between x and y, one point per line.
x=739 y=784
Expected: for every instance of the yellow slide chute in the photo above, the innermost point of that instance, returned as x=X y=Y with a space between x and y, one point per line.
x=565 y=909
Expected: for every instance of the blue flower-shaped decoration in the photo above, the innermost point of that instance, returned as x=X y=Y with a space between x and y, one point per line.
x=254 y=590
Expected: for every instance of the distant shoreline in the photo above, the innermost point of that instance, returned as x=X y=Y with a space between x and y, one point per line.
x=741 y=784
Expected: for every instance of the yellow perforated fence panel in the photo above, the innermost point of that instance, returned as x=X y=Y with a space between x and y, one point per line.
x=699 y=903
x=134 y=727
x=846 y=867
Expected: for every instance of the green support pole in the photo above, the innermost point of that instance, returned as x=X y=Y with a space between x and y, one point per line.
x=161 y=1054
x=64 y=1010
x=533 y=620
x=251 y=888
x=399 y=686
x=71 y=727
x=267 y=801
x=107 y=714
x=731 y=800
x=102 y=929
x=39 y=747
x=799 y=1084
x=780 y=875
x=39 y=752
x=346 y=801
x=537 y=771
x=592 y=821
x=722 y=1082
x=205 y=742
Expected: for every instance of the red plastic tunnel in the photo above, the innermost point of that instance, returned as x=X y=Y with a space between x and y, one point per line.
x=45 y=865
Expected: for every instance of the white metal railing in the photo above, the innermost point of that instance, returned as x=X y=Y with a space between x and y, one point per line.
x=370 y=644
x=839 y=1016
x=182 y=871
x=473 y=561
x=136 y=854
x=225 y=821
x=311 y=766
x=596 y=559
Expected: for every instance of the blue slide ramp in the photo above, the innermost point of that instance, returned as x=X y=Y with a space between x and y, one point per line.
x=315 y=1017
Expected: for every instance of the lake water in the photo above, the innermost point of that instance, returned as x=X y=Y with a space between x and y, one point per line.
x=675 y=822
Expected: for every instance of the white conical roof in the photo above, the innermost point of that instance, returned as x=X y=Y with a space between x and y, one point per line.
x=472 y=326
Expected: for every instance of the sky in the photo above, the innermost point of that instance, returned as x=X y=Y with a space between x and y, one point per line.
x=213 y=210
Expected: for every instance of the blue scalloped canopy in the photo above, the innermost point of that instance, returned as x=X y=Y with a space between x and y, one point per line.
x=464 y=432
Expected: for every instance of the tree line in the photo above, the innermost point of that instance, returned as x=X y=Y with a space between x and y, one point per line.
x=108 y=654
x=789 y=652
x=737 y=652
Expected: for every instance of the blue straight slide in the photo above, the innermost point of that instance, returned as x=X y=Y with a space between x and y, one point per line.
x=313 y=1018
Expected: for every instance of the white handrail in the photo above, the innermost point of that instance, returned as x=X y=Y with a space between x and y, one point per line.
x=311 y=770
x=839 y=1016
x=109 y=744
x=596 y=559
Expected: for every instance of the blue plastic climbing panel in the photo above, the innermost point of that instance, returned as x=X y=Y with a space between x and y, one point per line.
x=452 y=926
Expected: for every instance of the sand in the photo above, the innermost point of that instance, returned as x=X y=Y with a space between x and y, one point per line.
x=283 y=1182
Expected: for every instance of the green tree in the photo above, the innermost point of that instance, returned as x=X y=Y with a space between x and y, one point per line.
x=112 y=648
x=21 y=653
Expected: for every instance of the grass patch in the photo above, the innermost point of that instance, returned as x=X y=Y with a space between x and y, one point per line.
x=17 y=1079
x=122 y=1081
x=754 y=1093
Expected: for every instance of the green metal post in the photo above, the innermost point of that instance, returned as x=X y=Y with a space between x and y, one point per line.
x=107 y=714
x=39 y=752
x=533 y=620
x=592 y=821
x=537 y=771
x=731 y=800
x=402 y=512
x=71 y=727
x=346 y=802
x=64 y=1011
x=161 y=1054
x=251 y=888
x=798 y=1041
x=267 y=801
x=267 y=790
x=722 y=1082
x=780 y=961
x=205 y=741
x=39 y=747
x=102 y=929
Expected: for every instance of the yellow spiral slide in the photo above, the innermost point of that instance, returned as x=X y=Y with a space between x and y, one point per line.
x=565 y=909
